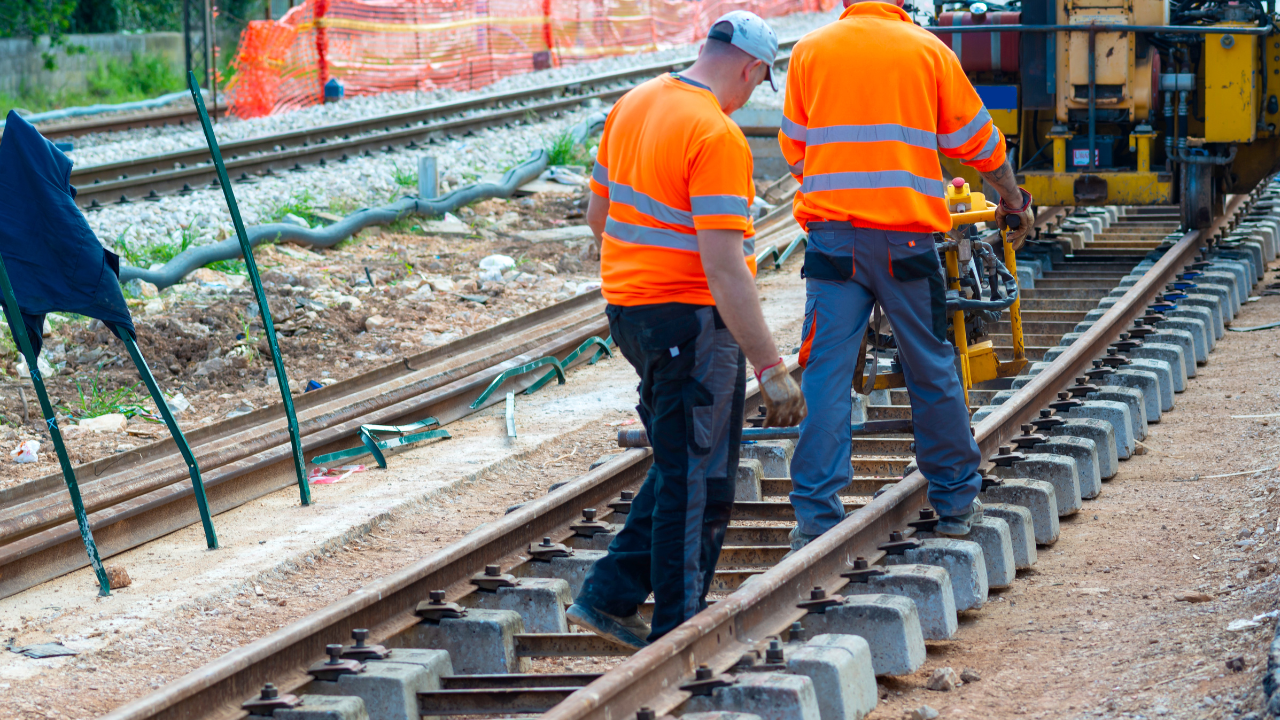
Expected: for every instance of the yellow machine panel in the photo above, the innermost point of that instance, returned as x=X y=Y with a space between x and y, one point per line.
x=1231 y=92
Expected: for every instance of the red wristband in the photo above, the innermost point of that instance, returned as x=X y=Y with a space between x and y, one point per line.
x=766 y=367
x=1026 y=203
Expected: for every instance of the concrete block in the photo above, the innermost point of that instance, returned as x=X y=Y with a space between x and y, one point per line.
x=389 y=688
x=1057 y=470
x=1001 y=397
x=774 y=456
x=1214 y=333
x=1022 y=533
x=1037 y=497
x=1239 y=271
x=1153 y=377
x=572 y=569
x=718 y=715
x=889 y=623
x=843 y=679
x=541 y=602
x=981 y=414
x=1200 y=338
x=746 y=486
x=1115 y=414
x=994 y=537
x=1026 y=277
x=769 y=696
x=962 y=559
x=321 y=707
x=1085 y=453
x=1053 y=353
x=929 y=586
x=1226 y=295
x=1131 y=398
x=481 y=643
x=1103 y=437
x=1171 y=354
x=1209 y=303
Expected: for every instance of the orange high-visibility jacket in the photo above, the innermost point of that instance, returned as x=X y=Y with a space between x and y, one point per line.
x=871 y=100
x=670 y=163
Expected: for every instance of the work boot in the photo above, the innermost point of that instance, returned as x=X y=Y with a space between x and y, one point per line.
x=799 y=539
x=959 y=525
x=629 y=631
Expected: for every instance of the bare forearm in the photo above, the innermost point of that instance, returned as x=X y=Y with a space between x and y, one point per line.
x=734 y=291
x=597 y=215
x=1005 y=183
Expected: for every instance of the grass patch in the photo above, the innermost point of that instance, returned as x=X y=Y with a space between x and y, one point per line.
x=113 y=81
x=303 y=205
x=402 y=178
x=96 y=400
x=230 y=267
x=564 y=151
x=162 y=252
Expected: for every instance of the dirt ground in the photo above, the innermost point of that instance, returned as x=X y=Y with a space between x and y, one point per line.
x=1095 y=629
x=203 y=338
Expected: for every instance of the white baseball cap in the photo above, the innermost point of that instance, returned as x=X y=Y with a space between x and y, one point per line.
x=750 y=34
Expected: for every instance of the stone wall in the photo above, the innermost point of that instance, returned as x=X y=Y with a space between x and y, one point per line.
x=21 y=60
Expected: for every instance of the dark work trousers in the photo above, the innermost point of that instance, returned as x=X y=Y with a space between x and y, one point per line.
x=847 y=270
x=692 y=388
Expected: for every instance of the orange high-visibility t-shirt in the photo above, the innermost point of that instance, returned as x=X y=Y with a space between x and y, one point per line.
x=670 y=163
x=871 y=100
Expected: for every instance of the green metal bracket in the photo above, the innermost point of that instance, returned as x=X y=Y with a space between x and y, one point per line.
x=801 y=239
x=251 y=265
x=568 y=360
x=193 y=469
x=374 y=446
x=772 y=252
x=557 y=369
x=20 y=338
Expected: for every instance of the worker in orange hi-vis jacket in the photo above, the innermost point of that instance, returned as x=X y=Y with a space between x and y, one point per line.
x=670 y=205
x=871 y=99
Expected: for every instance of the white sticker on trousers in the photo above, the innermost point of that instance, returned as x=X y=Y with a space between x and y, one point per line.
x=675 y=351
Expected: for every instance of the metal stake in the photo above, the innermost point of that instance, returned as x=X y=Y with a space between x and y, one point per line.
x=299 y=464
x=193 y=469
x=19 y=330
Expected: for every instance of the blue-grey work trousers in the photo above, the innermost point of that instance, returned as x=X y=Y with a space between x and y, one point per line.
x=847 y=270
x=692 y=389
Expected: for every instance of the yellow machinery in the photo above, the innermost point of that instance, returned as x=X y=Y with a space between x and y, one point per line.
x=973 y=304
x=1125 y=102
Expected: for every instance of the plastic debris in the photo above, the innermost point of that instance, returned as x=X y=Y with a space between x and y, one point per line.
x=492 y=267
x=27 y=452
x=111 y=422
x=313 y=385
x=44 y=650
x=244 y=408
x=328 y=476
x=178 y=404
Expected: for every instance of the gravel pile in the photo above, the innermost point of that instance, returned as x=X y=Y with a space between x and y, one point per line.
x=340 y=188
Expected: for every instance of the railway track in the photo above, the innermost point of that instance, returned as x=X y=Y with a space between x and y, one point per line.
x=183 y=171
x=1108 y=286
x=116 y=122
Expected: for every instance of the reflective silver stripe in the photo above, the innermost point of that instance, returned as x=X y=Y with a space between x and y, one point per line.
x=656 y=237
x=600 y=174
x=748 y=246
x=797 y=169
x=872 y=181
x=957 y=39
x=966 y=133
x=989 y=148
x=793 y=130
x=655 y=209
x=995 y=51
x=886 y=132
x=719 y=205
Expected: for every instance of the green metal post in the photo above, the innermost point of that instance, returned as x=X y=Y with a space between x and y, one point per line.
x=193 y=468
x=299 y=464
x=23 y=342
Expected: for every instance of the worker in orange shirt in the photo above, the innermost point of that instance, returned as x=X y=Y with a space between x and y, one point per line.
x=871 y=99
x=671 y=192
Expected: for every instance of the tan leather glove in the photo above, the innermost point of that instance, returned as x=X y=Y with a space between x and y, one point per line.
x=783 y=402
x=1016 y=235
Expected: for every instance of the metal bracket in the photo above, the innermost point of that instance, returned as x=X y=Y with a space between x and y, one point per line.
x=269 y=701
x=362 y=652
x=493 y=578
x=548 y=551
x=335 y=666
x=436 y=609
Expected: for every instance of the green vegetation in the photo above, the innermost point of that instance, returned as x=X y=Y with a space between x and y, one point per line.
x=303 y=205
x=564 y=151
x=402 y=178
x=97 y=400
x=230 y=267
x=144 y=76
x=144 y=257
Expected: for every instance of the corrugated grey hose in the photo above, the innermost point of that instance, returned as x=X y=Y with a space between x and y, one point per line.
x=185 y=262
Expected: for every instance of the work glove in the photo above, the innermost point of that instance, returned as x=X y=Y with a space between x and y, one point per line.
x=783 y=402
x=1017 y=221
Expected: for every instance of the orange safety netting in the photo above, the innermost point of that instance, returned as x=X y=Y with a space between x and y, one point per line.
x=376 y=46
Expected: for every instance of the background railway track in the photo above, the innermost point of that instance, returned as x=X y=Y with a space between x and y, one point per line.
x=746 y=614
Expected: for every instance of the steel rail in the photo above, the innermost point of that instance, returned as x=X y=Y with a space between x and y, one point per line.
x=766 y=606
x=143 y=501
x=115 y=123
x=185 y=170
